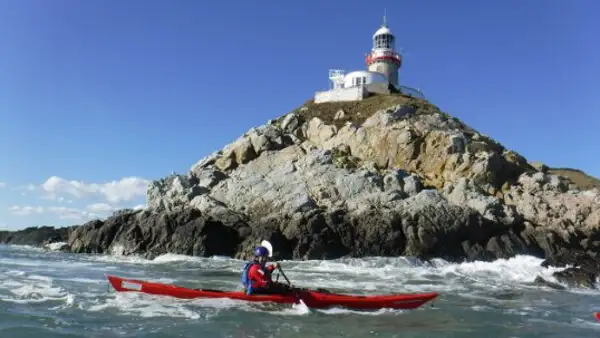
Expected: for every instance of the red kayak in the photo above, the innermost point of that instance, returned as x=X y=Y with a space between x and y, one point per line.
x=312 y=298
x=597 y=315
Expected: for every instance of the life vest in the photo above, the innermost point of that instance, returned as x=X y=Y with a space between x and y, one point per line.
x=246 y=282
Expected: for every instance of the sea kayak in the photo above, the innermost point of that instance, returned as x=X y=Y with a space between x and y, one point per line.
x=597 y=315
x=312 y=298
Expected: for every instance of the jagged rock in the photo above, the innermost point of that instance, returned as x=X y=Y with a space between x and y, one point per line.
x=390 y=175
x=401 y=137
x=542 y=282
x=185 y=231
x=340 y=115
x=175 y=191
x=291 y=124
x=581 y=270
x=207 y=161
x=412 y=185
x=464 y=192
x=577 y=277
x=35 y=236
x=208 y=177
x=539 y=166
x=218 y=210
x=290 y=181
x=542 y=199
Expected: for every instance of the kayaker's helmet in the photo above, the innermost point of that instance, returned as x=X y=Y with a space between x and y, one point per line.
x=261 y=251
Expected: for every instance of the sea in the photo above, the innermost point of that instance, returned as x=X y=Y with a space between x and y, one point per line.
x=56 y=294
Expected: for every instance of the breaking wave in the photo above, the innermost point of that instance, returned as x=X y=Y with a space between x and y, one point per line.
x=75 y=286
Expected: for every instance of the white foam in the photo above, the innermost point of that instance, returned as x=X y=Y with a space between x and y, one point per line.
x=487 y=283
x=33 y=289
x=405 y=275
x=169 y=258
x=132 y=303
x=342 y=311
x=55 y=246
x=161 y=259
x=164 y=306
x=295 y=310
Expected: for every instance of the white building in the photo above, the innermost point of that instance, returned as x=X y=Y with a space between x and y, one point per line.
x=383 y=63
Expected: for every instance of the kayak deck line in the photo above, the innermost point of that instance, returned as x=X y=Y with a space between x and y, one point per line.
x=311 y=298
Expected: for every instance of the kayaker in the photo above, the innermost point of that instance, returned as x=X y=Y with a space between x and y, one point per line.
x=256 y=276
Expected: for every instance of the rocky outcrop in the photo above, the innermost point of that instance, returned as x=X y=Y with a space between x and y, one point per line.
x=185 y=231
x=35 y=236
x=385 y=176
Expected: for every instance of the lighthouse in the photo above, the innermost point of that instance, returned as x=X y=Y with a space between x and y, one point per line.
x=383 y=57
x=380 y=78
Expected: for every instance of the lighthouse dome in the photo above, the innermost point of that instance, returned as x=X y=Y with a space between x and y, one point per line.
x=383 y=30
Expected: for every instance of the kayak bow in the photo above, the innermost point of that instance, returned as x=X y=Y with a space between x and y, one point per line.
x=312 y=298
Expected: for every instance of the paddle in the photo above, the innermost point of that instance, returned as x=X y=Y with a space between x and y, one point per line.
x=269 y=247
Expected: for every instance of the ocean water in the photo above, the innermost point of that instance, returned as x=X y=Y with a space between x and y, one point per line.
x=53 y=294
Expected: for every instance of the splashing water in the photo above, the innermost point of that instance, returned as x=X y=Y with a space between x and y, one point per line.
x=52 y=294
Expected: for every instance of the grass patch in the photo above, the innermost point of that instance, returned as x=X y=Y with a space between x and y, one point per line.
x=357 y=112
x=577 y=177
x=343 y=159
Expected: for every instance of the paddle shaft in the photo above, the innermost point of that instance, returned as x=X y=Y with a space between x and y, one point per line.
x=284 y=276
x=269 y=247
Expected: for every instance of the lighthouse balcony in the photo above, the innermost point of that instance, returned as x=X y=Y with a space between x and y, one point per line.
x=378 y=55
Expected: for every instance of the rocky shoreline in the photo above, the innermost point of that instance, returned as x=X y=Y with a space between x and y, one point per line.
x=37 y=236
x=387 y=176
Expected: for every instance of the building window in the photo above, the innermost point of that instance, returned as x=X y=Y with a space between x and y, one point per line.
x=384 y=41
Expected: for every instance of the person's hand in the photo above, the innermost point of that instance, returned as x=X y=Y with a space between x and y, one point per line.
x=275 y=265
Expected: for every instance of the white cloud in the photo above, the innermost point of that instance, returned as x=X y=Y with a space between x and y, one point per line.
x=61 y=212
x=25 y=210
x=29 y=187
x=72 y=213
x=139 y=207
x=101 y=208
x=2 y=184
x=126 y=189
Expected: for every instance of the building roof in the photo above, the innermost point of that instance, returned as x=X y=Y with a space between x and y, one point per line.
x=383 y=30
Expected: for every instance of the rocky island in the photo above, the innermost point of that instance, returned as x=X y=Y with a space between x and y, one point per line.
x=385 y=176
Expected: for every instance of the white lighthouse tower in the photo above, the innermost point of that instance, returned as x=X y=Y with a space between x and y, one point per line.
x=383 y=57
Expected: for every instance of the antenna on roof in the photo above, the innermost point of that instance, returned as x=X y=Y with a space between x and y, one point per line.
x=384 y=17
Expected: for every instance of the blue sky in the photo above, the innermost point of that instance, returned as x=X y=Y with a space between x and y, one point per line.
x=97 y=98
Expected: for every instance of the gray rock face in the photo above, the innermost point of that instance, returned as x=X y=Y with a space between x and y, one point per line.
x=408 y=180
x=184 y=231
x=169 y=192
x=35 y=236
